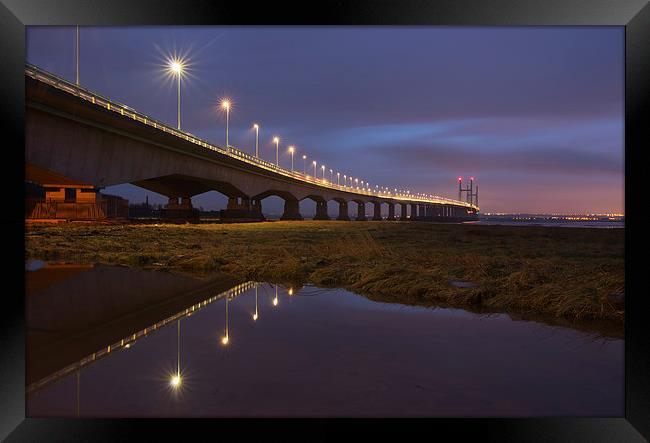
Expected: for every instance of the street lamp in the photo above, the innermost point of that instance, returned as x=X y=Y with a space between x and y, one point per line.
x=345 y=181
x=276 y=140
x=257 y=139
x=225 y=104
x=314 y=163
x=338 y=179
x=304 y=164
x=331 y=178
x=291 y=149
x=323 y=168
x=176 y=68
x=77 y=57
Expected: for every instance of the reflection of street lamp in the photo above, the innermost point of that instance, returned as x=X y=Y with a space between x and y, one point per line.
x=225 y=339
x=176 y=380
x=275 y=300
x=255 y=316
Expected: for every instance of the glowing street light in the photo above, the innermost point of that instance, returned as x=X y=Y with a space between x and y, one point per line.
x=257 y=139
x=291 y=149
x=331 y=177
x=304 y=164
x=176 y=68
x=345 y=181
x=225 y=104
x=314 y=163
x=338 y=177
x=323 y=168
x=276 y=140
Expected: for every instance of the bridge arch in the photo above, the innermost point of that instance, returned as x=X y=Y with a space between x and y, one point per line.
x=291 y=203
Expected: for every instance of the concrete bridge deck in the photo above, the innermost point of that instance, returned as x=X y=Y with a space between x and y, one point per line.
x=89 y=138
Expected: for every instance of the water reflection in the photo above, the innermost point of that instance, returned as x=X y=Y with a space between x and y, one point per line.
x=329 y=352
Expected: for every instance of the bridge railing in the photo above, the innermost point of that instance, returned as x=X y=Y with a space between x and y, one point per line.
x=231 y=151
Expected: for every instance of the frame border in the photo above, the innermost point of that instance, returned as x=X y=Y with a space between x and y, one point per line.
x=634 y=15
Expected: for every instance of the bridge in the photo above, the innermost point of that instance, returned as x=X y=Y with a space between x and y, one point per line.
x=77 y=135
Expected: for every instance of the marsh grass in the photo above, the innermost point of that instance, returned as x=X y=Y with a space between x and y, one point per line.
x=565 y=273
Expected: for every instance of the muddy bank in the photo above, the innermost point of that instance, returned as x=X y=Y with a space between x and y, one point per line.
x=563 y=273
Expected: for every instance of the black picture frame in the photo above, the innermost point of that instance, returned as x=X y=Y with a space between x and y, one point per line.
x=634 y=15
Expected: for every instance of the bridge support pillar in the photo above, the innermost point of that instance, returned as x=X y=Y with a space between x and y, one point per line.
x=321 y=210
x=242 y=209
x=403 y=212
x=414 y=211
x=343 y=211
x=291 y=210
x=361 y=212
x=377 y=211
x=180 y=211
x=391 y=211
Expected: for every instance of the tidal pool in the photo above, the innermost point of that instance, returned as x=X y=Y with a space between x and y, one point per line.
x=117 y=342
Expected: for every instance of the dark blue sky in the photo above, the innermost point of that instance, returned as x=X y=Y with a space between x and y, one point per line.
x=536 y=114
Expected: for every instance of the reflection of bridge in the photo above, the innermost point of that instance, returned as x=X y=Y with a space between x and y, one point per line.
x=126 y=342
x=96 y=142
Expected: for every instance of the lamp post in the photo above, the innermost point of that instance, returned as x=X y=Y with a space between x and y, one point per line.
x=345 y=181
x=304 y=165
x=225 y=104
x=338 y=179
x=257 y=140
x=176 y=68
x=314 y=163
x=276 y=140
x=331 y=177
x=323 y=169
x=291 y=149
